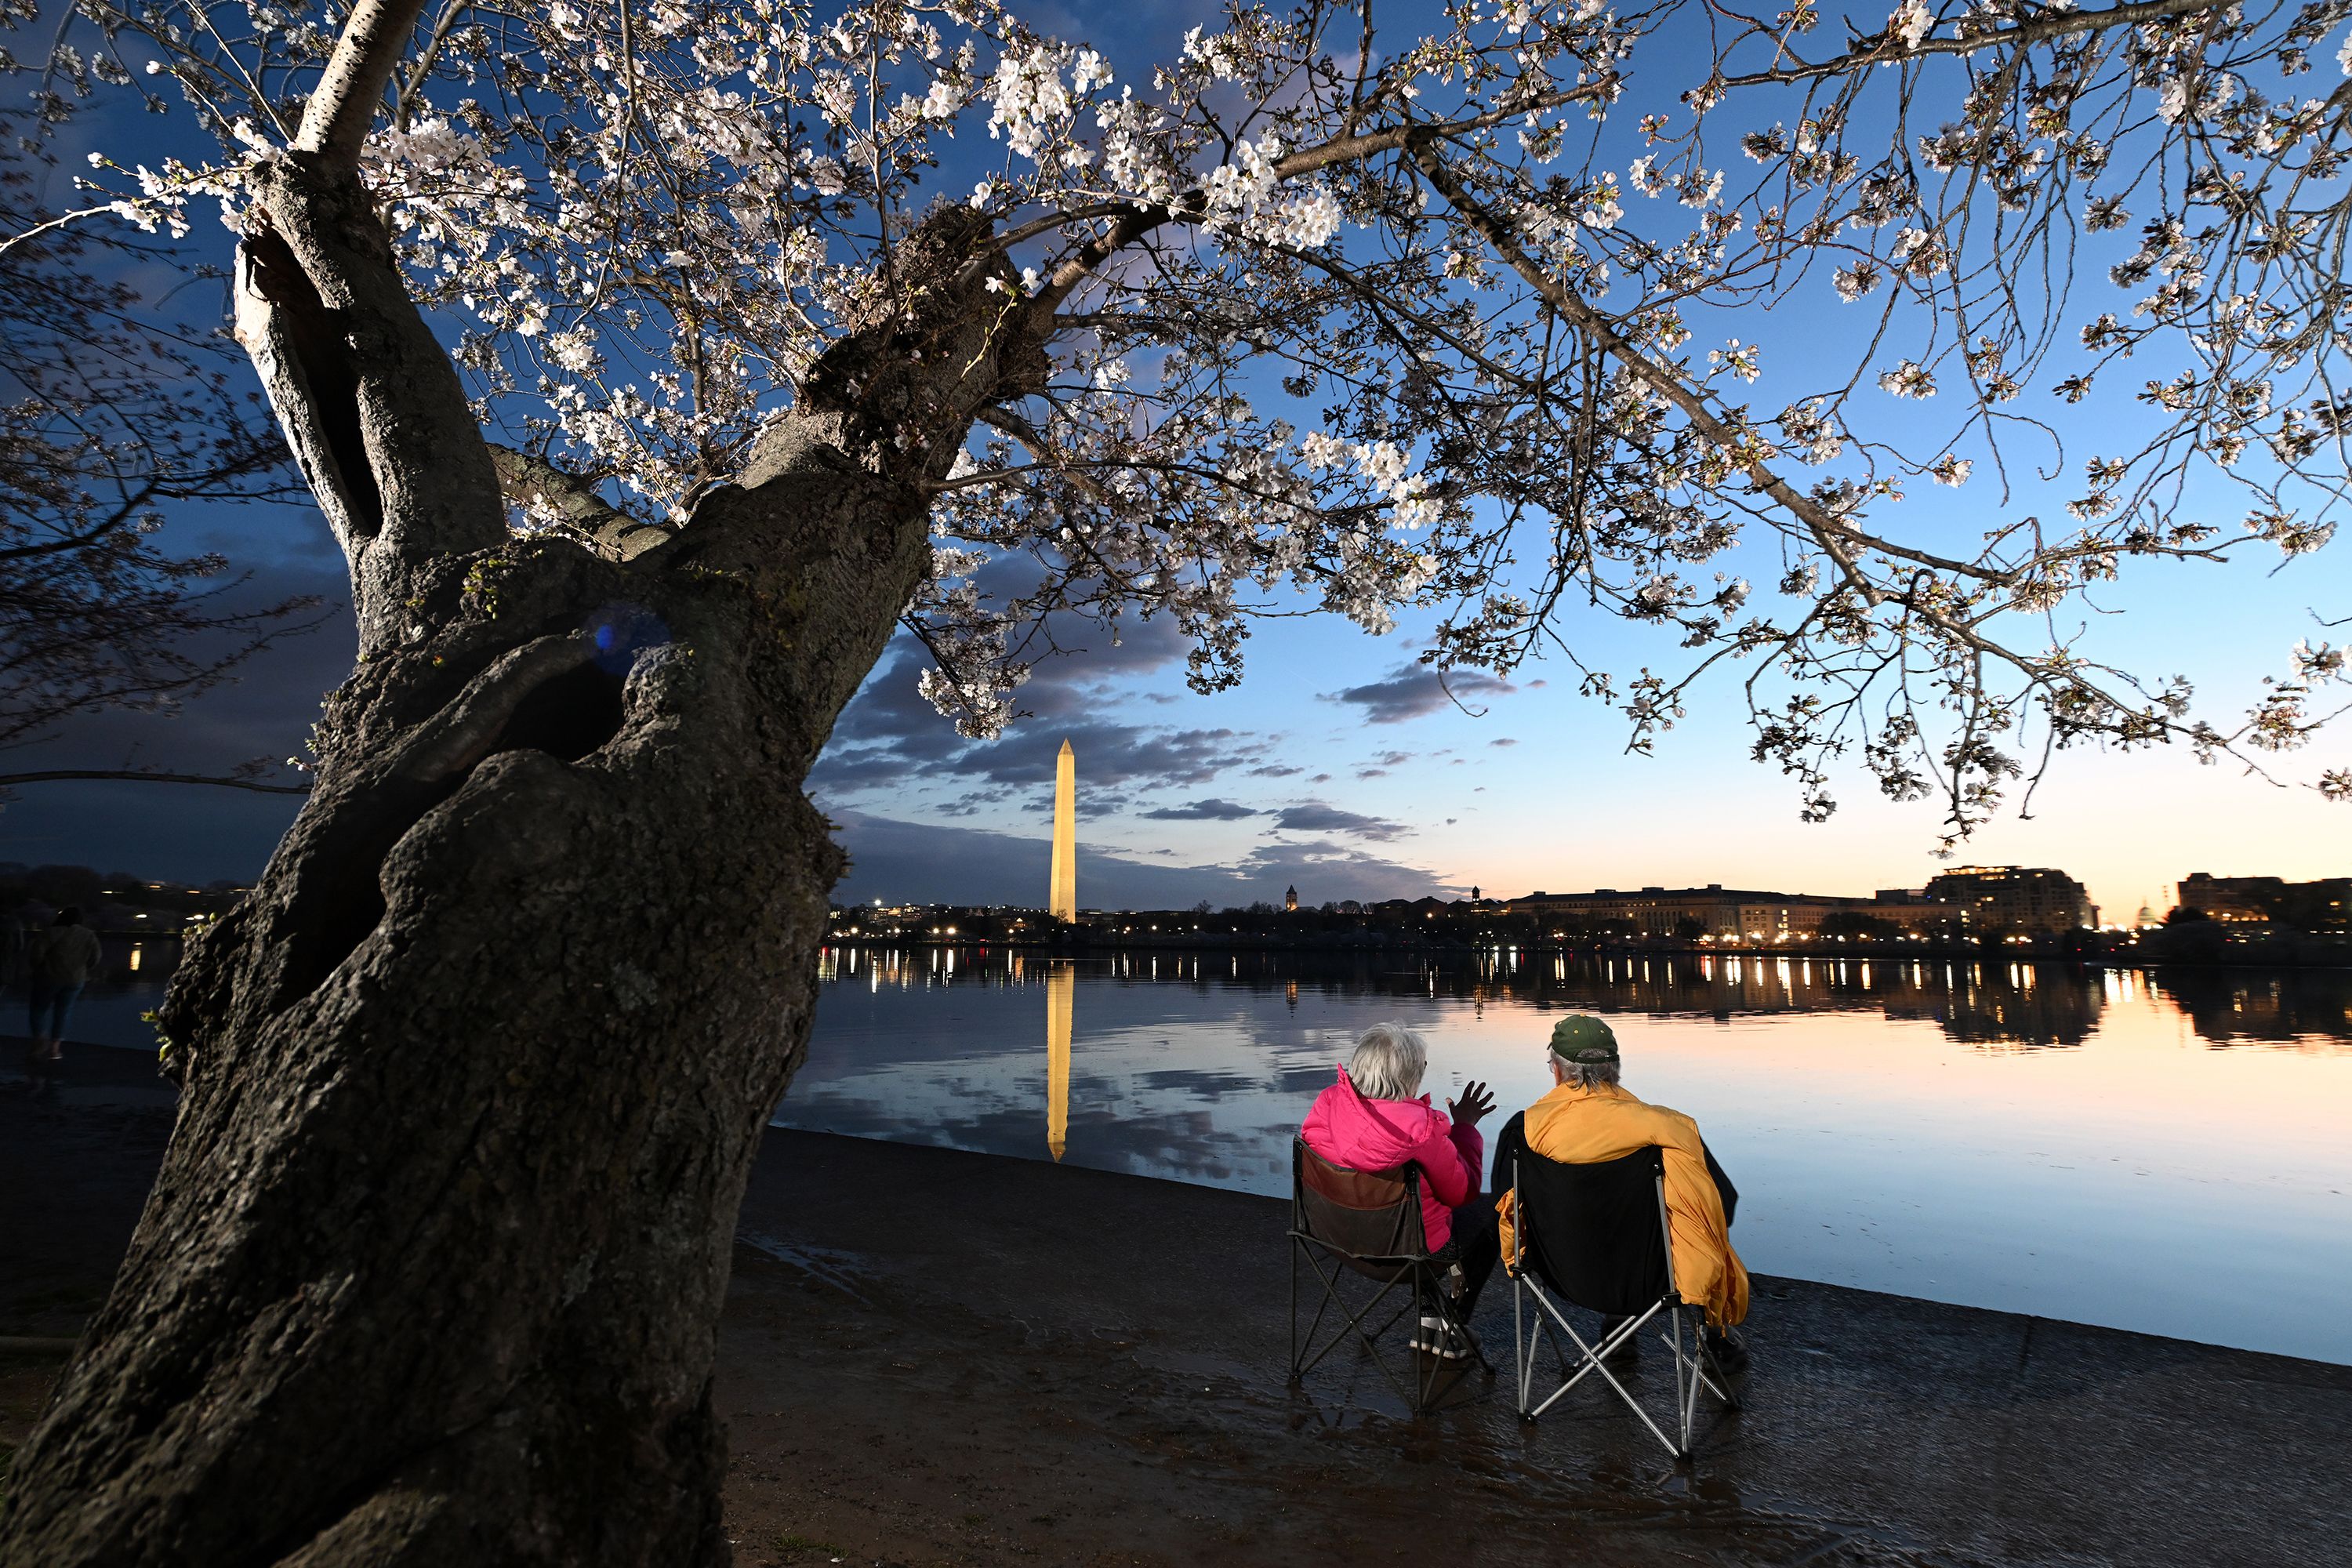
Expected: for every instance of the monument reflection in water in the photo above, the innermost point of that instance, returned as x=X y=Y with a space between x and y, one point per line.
x=1061 y=988
x=2161 y=1151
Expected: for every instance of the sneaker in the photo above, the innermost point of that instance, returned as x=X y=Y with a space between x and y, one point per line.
x=1628 y=1351
x=1458 y=1344
x=1723 y=1349
x=1430 y=1338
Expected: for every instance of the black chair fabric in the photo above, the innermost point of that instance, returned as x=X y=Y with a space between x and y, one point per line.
x=1590 y=1232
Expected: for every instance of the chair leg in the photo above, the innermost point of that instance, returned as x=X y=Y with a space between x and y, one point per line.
x=1428 y=1292
x=1721 y=1385
x=1294 y=1314
x=1357 y=1324
x=1692 y=1376
x=1422 y=1291
x=1430 y=1300
x=1522 y=1356
x=1300 y=1362
x=1457 y=1314
x=1525 y=1343
x=1686 y=1401
x=1593 y=1359
x=1702 y=1358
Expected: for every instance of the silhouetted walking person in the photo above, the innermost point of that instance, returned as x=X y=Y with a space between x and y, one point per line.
x=60 y=963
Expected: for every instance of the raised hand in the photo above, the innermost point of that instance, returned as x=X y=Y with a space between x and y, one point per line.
x=1476 y=1102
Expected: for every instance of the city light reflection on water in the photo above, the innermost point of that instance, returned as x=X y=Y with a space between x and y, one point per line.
x=2160 y=1151
x=2163 y=1151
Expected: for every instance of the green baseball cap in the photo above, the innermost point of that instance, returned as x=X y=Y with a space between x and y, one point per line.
x=1581 y=1038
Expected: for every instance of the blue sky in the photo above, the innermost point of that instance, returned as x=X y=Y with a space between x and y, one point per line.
x=1337 y=765
x=1360 y=779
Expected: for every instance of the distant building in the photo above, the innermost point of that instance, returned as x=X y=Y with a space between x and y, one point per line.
x=1290 y=899
x=1421 y=909
x=1736 y=913
x=1981 y=900
x=2231 y=898
x=2319 y=905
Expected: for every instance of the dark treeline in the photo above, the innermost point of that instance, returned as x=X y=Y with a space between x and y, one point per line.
x=1430 y=925
x=109 y=900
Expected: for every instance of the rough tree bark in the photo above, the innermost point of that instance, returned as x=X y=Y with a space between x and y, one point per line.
x=473 y=1081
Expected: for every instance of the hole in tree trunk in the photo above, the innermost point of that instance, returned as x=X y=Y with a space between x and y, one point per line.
x=567 y=717
x=336 y=923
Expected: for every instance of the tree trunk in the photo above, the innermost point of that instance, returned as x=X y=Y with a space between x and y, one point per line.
x=473 y=1081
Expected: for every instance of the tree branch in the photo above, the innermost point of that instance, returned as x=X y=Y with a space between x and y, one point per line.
x=2040 y=29
x=1139 y=221
x=526 y=477
x=366 y=394
x=423 y=65
x=87 y=537
x=1836 y=537
x=50 y=776
x=343 y=107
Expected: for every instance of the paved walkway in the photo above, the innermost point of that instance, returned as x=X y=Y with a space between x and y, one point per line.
x=931 y=1358
x=1107 y=1352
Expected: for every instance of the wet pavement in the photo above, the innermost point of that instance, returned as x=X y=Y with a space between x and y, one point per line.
x=931 y=1357
x=1016 y=1341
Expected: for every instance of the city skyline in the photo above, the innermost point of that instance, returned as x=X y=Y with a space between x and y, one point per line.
x=903 y=855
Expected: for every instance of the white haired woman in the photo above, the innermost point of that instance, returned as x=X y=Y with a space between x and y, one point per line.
x=1375 y=1118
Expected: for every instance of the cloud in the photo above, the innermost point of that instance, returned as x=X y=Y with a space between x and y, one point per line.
x=927 y=863
x=889 y=735
x=1503 y=741
x=1315 y=817
x=1412 y=690
x=1323 y=871
x=1209 y=810
x=892 y=753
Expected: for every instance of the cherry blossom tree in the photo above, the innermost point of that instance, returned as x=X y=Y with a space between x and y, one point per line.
x=112 y=415
x=654 y=362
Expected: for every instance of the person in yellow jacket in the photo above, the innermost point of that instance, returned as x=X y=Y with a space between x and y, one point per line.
x=1587 y=1117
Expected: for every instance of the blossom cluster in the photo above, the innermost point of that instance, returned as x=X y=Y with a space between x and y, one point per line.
x=1462 y=262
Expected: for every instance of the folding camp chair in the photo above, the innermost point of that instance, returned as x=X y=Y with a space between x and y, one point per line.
x=1596 y=1235
x=1368 y=1223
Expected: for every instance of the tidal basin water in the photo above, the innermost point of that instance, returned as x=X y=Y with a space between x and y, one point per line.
x=2169 y=1153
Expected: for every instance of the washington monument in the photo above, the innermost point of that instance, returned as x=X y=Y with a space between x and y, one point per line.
x=1064 y=904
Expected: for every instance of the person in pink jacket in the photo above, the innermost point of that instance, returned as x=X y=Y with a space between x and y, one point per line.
x=1375 y=1118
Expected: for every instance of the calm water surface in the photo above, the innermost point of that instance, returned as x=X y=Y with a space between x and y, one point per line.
x=2171 y=1153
